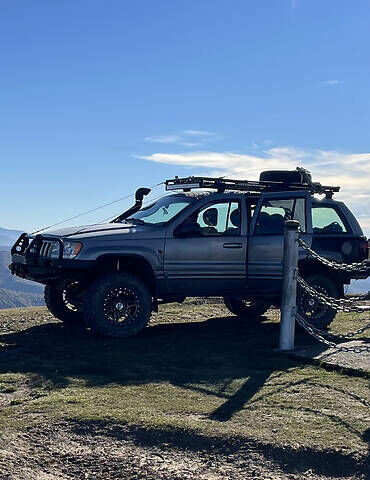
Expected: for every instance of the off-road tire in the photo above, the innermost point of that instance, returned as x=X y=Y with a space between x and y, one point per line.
x=113 y=294
x=325 y=315
x=57 y=306
x=251 y=309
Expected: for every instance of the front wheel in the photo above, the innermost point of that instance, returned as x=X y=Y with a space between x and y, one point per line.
x=252 y=309
x=65 y=303
x=117 y=305
x=314 y=312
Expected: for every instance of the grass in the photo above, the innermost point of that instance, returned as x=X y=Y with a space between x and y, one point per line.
x=195 y=372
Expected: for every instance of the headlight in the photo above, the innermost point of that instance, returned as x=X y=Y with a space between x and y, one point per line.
x=54 y=250
x=71 y=249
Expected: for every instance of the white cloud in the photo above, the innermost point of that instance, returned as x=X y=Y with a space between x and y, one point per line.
x=350 y=171
x=332 y=82
x=197 y=133
x=184 y=138
x=163 y=139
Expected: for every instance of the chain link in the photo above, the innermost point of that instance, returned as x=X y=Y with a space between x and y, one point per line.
x=361 y=267
x=320 y=335
x=341 y=304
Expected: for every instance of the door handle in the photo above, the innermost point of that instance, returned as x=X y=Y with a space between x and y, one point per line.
x=233 y=245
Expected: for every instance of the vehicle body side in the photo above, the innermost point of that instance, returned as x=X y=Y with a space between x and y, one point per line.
x=242 y=264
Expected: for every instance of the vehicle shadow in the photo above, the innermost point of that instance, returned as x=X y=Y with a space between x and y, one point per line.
x=216 y=350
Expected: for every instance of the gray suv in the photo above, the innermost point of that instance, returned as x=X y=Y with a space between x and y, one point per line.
x=205 y=237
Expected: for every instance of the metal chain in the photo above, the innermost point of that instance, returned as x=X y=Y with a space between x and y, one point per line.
x=320 y=335
x=342 y=304
x=345 y=305
x=362 y=267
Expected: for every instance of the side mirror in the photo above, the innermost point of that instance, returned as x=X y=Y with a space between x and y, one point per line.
x=188 y=230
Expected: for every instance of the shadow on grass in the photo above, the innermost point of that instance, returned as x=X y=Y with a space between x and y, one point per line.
x=215 y=351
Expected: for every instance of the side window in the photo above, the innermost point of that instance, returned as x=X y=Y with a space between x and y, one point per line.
x=325 y=220
x=219 y=219
x=274 y=213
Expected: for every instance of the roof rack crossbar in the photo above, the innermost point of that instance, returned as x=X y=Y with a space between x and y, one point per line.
x=252 y=186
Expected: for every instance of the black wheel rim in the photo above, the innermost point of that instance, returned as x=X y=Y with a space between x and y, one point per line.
x=252 y=303
x=247 y=303
x=70 y=295
x=121 y=305
x=312 y=309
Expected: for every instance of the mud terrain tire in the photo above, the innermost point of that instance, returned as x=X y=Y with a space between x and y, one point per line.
x=58 y=306
x=252 y=309
x=320 y=316
x=117 y=305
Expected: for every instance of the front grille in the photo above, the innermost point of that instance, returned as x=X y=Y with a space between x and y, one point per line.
x=45 y=248
x=37 y=246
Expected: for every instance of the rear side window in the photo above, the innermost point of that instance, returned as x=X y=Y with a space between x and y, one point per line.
x=274 y=213
x=326 y=220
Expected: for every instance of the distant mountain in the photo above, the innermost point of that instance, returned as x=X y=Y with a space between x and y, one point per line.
x=12 y=299
x=11 y=282
x=15 y=292
x=8 y=237
x=359 y=286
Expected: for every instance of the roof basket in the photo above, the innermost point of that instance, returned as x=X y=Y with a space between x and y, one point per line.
x=270 y=181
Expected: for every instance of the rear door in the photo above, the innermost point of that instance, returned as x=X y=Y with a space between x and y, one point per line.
x=266 y=238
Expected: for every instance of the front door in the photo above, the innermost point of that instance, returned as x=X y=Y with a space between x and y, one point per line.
x=206 y=254
x=266 y=240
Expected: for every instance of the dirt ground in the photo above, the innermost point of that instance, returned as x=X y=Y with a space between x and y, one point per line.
x=196 y=396
x=109 y=451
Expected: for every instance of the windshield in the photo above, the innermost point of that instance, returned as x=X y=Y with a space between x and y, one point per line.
x=161 y=211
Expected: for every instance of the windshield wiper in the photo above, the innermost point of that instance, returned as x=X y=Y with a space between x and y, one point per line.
x=135 y=220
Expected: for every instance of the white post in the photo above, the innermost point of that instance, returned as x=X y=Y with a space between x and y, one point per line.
x=289 y=292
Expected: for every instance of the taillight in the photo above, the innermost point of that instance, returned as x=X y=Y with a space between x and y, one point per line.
x=364 y=249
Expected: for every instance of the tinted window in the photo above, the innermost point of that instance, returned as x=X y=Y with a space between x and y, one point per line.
x=326 y=220
x=219 y=219
x=274 y=213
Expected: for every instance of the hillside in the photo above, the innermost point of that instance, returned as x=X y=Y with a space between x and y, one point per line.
x=15 y=292
x=12 y=299
x=11 y=282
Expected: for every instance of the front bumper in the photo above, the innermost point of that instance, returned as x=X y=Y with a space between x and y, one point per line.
x=29 y=264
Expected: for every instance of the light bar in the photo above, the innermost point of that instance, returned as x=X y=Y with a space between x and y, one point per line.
x=177 y=186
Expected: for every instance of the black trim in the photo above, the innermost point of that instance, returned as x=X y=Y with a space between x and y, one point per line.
x=45 y=270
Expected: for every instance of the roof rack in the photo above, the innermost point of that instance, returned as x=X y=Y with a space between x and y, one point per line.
x=251 y=186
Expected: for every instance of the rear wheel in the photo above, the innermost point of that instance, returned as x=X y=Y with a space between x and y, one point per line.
x=65 y=303
x=252 y=309
x=118 y=305
x=317 y=314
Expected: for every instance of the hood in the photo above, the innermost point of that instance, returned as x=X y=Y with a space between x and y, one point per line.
x=106 y=228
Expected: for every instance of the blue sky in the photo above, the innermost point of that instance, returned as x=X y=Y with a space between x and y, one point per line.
x=100 y=97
